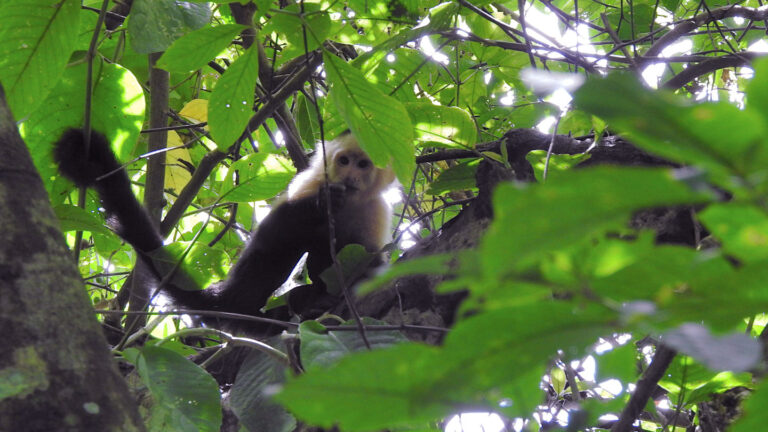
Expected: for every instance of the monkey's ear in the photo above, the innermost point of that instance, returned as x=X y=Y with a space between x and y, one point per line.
x=83 y=169
x=386 y=176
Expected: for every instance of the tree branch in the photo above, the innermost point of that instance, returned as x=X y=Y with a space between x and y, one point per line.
x=683 y=27
x=645 y=386
x=692 y=72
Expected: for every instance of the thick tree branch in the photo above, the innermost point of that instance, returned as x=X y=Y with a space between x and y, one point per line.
x=715 y=63
x=187 y=195
x=683 y=27
x=158 y=118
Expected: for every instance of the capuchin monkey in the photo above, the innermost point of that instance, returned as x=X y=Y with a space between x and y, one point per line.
x=298 y=224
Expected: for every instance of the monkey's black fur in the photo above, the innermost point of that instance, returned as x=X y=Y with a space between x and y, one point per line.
x=125 y=215
x=290 y=230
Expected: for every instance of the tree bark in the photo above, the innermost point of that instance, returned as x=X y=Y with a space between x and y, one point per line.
x=56 y=373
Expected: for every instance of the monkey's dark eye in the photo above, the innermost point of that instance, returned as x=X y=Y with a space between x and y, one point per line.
x=343 y=160
x=363 y=163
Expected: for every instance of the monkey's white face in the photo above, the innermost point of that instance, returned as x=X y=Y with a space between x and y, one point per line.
x=353 y=169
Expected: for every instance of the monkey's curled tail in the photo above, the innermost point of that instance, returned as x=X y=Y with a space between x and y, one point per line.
x=98 y=168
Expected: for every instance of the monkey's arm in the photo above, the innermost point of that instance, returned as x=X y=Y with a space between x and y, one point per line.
x=291 y=229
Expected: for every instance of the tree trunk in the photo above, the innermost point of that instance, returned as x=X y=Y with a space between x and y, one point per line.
x=56 y=373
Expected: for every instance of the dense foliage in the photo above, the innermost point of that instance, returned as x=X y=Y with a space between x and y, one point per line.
x=566 y=292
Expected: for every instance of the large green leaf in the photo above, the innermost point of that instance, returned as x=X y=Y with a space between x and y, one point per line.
x=379 y=122
x=154 y=24
x=630 y=25
x=231 y=103
x=673 y=266
x=291 y=25
x=716 y=136
x=742 y=229
x=368 y=391
x=250 y=395
x=187 y=395
x=117 y=111
x=753 y=418
x=322 y=348
x=456 y=178
x=483 y=348
x=484 y=359
x=36 y=39
x=572 y=207
x=757 y=91
x=719 y=296
x=74 y=218
x=619 y=363
x=194 y=50
x=439 y=125
x=441 y=17
x=262 y=176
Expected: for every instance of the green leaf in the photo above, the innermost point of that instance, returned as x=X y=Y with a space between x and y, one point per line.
x=482 y=349
x=757 y=90
x=117 y=111
x=194 y=50
x=155 y=24
x=456 y=178
x=753 y=418
x=350 y=396
x=187 y=394
x=671 y=5
x=717 y=383
x=321 y=348
x=529 y=115
x=354 y=261
x=231 y=103
x=673 y=266
x=291 y=26
x=262 y=176
x=36 y=40
x=618 y=363
x=74 y=218
x=441 y=17
x=437 y=264
x=379 y=122
x=414 y=383
x=685 y=375
x=557 y=380
x=640 y=20
x=306 y=121
x=742 y=229
x=442 y=126
x=571 y=207
x=250 y=395
x=719 y=296
x=575 y=122
x=674 y=129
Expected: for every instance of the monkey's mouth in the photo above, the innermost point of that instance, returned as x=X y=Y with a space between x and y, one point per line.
x=350 y=188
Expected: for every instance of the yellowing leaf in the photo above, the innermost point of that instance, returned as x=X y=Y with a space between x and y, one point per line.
x=177 y=175
x=197 y=110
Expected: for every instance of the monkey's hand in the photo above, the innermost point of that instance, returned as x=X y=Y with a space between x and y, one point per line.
x=83 y=169
x=334 y=194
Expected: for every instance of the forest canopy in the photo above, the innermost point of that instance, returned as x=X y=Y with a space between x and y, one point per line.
x=580 y=234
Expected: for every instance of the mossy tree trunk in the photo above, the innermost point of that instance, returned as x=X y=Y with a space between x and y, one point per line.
x=56 y=373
